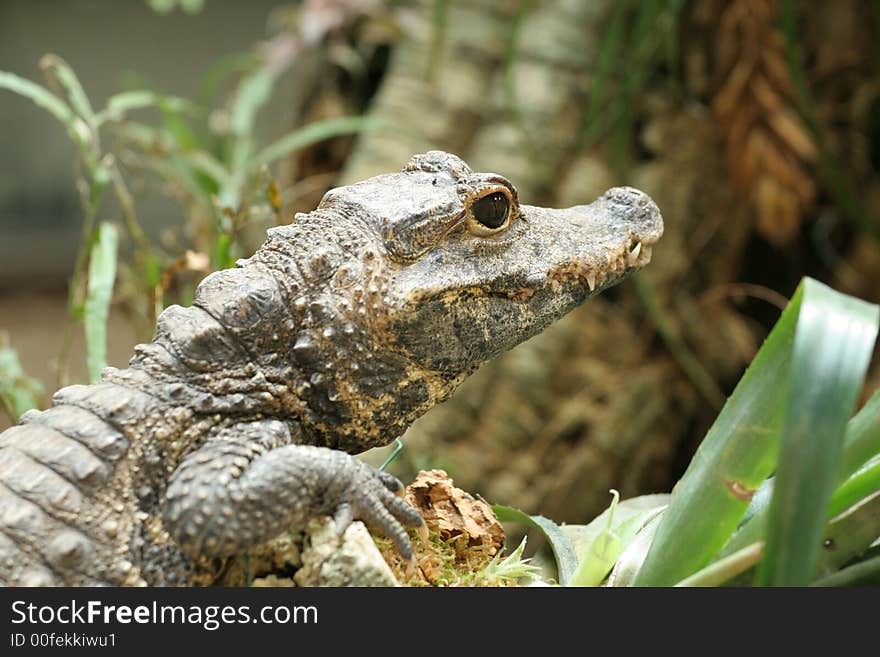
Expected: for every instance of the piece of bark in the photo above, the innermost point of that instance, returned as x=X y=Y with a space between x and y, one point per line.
x=454 y=513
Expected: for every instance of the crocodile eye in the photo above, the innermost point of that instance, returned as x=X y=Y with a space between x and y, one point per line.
x=490 y=213
x=491 y=210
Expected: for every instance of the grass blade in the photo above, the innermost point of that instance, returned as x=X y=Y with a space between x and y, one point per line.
x=60 y=70
x=102 y=273
x=44 y=98
x=122 y=103
x=741 y=448
x=832 y=348
x=563 y=550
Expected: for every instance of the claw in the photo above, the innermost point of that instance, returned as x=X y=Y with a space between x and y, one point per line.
x=342 y=517
x=391 y=482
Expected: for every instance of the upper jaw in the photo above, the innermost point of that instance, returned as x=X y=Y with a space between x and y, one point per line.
x=576 y=251
x=595 y=245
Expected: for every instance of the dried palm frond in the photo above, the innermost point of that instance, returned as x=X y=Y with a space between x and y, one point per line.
x=769 y=149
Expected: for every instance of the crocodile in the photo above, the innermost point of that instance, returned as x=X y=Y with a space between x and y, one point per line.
x=243 y=417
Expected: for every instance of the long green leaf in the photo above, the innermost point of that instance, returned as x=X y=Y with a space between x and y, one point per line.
x=833 y=345
x=563 y=550
x=44 y=98
x=741 y=448
x=849 y=534
x=63 y=73
x=862 y=439
x=102 y=273
x=864 y=573
x=120 y=104
x=313 y=133
x=860 y=443
x=863 y=483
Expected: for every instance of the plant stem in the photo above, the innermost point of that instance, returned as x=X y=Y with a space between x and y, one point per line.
x=727 y=568
x=76 y=288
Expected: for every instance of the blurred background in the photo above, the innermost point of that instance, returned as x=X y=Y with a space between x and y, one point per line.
x=754 y=124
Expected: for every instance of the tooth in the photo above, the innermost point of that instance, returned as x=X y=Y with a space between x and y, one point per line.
x=591 y=280
x=633 y=256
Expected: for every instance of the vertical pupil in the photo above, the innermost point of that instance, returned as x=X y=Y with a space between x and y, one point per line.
x=491 y=210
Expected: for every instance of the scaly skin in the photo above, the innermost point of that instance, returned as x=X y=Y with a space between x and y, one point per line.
x=240 y=420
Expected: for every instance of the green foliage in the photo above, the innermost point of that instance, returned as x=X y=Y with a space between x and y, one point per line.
x=208 y=159
x=639 y=35
x=603 y=541
x=18 y=391
x=563 y=548
x=512 y=568
x=166 y=6
x=742 y=448
x=726 y=517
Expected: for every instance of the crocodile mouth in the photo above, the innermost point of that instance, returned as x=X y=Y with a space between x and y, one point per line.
x=591 y=277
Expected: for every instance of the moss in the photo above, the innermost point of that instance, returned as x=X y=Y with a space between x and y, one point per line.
x=442 y=563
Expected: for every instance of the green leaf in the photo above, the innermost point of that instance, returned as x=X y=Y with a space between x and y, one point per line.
x=61 y=71
x=848 y=535
x=563 y=550
x=206 y=164
x=863 y=483
x=253 y=92
x=121 y=104
x=102 y=273
x=223 y=252
x=513 y=567
x=742 y=447
x=832 y=348
x=862 y=439
x=44 y=98
x=864 y=573
x=633 y=557
x=601 y=542
x=860 y=443
x=177 y=126
x=18 y=391
x=313 y=133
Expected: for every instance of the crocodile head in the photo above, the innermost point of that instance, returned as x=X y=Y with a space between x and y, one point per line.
x=473 y=272
x=444 y=270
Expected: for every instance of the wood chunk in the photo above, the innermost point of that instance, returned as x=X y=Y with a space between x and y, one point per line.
x=453 y=512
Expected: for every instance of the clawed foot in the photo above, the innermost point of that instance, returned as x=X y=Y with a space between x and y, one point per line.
x=372 y=495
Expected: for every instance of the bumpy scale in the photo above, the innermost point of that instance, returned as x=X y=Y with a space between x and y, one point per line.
x=241 y=419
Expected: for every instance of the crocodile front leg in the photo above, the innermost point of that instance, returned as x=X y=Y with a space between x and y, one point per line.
x=246 y=484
